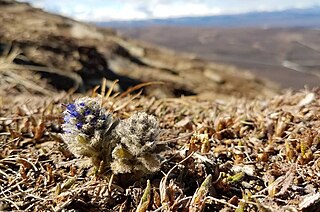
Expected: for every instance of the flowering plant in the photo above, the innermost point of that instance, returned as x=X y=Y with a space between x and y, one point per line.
x=87 y=128
x=124 y=146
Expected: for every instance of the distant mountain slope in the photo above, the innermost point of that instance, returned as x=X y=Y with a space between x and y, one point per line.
x=288 y=56
x=309 y=17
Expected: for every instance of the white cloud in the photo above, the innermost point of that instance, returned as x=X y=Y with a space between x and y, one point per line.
x=125 y=13
x=178 y=10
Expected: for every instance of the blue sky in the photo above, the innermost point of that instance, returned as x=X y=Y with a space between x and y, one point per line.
x=105 y=10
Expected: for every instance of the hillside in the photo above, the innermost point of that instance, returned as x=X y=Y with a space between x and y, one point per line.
x=231 y=142
x=73 y=54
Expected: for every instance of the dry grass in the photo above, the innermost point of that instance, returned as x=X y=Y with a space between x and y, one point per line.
x=20 y=78
x=239 y=155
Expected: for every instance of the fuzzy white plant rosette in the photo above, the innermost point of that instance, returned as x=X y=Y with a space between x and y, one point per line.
x=138 y=141
x=87 y=129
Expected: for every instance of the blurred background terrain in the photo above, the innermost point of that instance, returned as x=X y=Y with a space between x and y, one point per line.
x=282 y=46
x=68 y=54
x=277 y=42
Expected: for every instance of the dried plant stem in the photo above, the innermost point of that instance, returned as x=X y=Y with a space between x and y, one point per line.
x=220 y=201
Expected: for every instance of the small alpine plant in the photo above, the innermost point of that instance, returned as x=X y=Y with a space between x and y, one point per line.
x=136 y=150
x=87 y=130
x=124 y=146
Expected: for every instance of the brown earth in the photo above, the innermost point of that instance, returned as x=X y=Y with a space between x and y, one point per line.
x=73 y=54
x=262 y=51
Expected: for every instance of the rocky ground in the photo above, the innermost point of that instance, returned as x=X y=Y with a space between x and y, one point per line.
x=232 y=141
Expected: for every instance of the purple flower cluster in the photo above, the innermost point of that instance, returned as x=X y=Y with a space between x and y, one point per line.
x=85 y=116
x=87 y=129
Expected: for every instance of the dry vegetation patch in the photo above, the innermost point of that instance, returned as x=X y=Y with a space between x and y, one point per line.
x=242 y=154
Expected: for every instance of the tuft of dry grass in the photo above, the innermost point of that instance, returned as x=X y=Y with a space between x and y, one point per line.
x=19 y=78
x=243 y=155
